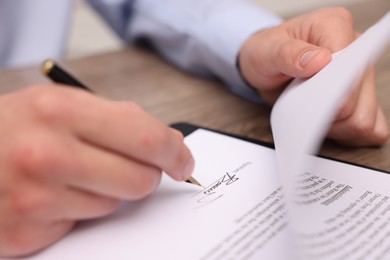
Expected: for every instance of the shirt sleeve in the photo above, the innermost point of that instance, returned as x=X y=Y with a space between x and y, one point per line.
x=31 y=31
x=200 y=36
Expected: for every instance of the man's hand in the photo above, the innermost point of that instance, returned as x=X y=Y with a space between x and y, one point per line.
x=66 y=155
x=299 y=48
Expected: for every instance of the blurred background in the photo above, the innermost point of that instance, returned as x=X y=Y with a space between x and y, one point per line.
x=89 y=35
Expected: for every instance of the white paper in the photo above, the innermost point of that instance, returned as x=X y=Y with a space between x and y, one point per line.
x=349 y=216
x=303 y=114
x=242 y=216
x=184 y=221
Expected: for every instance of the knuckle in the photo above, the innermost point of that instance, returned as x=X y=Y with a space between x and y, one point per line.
x=343 y=13
x=338 y=13
x=153 y=140
x=133 y=107
x=286 y=49
x=34 y=159
x=383 y=137
x=380 y=140
x=346 y=110
x=289 y=54
x=29 y=203
x=50 y=106
x=362 y=126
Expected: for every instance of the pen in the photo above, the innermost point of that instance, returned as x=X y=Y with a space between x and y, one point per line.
x=59 y=75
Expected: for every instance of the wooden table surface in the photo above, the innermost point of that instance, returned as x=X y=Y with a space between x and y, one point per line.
x=173 y=96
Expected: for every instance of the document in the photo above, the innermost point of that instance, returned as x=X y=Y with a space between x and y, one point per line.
x=242 y=199
x=258 y=202
x=308 y=107
x=241 y=213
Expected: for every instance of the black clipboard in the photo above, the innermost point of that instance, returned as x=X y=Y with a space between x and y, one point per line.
x=187 y=128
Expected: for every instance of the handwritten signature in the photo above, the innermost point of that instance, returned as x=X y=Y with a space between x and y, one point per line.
x=210 y=194
x=227 y=179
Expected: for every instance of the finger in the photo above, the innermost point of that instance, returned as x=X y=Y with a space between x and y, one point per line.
x=121 y=127
x=312 y=38
x=333 y=28
x=298 y=48
x=310 y=41
x=23 y=237
x=141 y=137
x=112 y=175
x=349 y=106
x=274 y=57
x=79 y=205
x=288 y=59
x=40 y=156
x=364 y=125
x=299 y=59
x=310 y=35
x=361 y=122
x=44 y=204
x=378 y=137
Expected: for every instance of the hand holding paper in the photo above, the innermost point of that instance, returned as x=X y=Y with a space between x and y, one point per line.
x=299 y=48
x=307 y=109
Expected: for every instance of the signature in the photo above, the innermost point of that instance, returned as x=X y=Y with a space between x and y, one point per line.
x=210 y=194
x=226 y=179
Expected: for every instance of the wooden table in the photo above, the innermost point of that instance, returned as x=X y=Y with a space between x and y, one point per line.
x=174 y=96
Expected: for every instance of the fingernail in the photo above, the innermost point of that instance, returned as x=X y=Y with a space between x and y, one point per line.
x=307 y=57
x=188 y=169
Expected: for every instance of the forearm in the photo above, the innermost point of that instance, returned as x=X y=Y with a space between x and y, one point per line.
x=203 y=37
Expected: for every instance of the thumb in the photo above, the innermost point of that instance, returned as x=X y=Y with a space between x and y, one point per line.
x=300 y=59
x=293 y=59
x=269 y=59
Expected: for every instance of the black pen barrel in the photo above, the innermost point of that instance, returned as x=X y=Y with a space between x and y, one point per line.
x=59 y=75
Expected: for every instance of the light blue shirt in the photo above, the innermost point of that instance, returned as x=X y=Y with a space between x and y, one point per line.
x=200 y=36
x=32 y=30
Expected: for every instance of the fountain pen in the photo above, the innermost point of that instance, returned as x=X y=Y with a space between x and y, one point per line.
x=59 y=75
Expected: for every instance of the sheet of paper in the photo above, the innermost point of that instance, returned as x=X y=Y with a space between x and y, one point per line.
x=238 y=216
x=241 y=214
x=346 y=211
x=303 y=114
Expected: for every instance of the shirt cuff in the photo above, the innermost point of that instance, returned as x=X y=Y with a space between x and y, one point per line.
x=234 y=26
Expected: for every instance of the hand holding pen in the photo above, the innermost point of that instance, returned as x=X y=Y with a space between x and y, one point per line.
x=58 y=75
x=71 y=156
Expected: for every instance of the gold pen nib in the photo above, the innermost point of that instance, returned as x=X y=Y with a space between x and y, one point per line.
x=47 y=66
x=193 y=181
